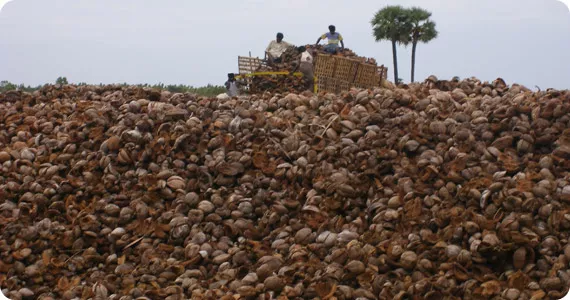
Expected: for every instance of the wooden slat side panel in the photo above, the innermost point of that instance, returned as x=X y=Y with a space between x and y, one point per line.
x=248 y=65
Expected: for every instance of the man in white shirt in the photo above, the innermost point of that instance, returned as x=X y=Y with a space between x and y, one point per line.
x=276 y=48
x=305 y=65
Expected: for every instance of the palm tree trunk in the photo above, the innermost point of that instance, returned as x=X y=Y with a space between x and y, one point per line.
x=395 y=58
x=414 y=44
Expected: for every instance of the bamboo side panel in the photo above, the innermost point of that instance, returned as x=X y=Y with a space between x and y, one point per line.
x=336 y=74
x=383 y=71
x=324 y=84
x=332 y=85
x=346 y=69
x=341 y=85
x=362 y=86
x=367 y=75
x=325 y=66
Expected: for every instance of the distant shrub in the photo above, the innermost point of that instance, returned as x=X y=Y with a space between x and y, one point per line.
x=207 y=91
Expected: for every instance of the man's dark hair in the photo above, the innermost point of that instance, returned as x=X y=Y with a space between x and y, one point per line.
x=301 y=48
x=332 y=28
x=279 y=35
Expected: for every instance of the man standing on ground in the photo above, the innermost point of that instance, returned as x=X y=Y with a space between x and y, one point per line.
x=333 y=38
x=232 y=85
x=276 y=48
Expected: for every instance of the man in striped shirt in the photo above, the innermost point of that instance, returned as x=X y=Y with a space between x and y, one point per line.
x=333 y=38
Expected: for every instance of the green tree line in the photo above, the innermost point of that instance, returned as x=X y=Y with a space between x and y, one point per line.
x=403 y=26
x=208 y=90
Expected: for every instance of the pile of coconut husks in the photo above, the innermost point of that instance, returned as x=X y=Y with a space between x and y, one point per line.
x=439 y=190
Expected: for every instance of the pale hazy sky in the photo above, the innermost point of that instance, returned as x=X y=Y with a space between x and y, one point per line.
x=197 y=42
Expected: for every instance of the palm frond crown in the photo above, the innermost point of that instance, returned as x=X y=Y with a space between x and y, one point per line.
x=422 y=28
x=392 y=23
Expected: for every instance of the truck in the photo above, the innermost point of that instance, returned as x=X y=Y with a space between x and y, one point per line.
x=333 y=73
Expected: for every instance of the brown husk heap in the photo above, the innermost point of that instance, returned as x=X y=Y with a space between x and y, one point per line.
x=408 y=193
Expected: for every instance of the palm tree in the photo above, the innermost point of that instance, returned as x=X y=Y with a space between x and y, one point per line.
x=423 y=30
x=392 y=24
